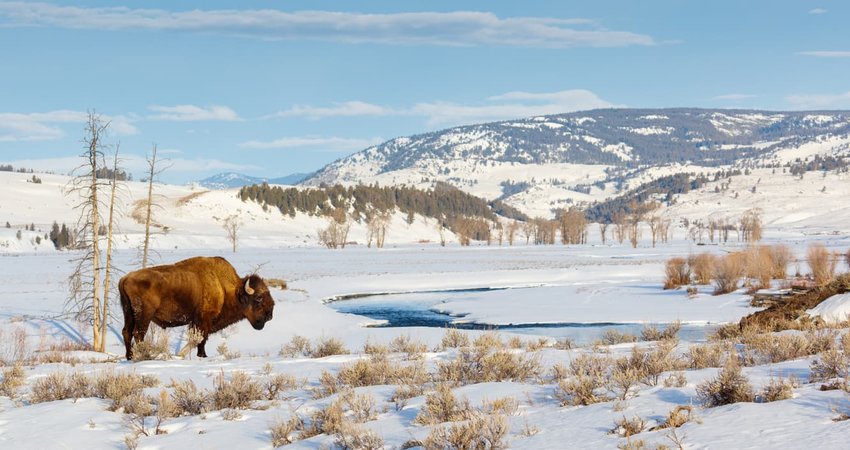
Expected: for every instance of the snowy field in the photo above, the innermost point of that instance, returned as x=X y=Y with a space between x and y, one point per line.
x=550 y=284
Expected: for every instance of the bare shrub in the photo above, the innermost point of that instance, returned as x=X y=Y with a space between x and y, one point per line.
x=624 y=380
x=479 y=432
x=678 y=416
x=560 y=372
x=328 y=347
x=454 y=338
x=155 y=346
x=278 y=383
x=375 y=349
x=187 y=399
x=778 y=389
x=828 y=365
x=581 y=390
x=440 y=406
x=297 y=346
x=780 y=257
x=702 y=267
x=13 y=379
x=821 y=263
x=564 y=344
x=488 y=340
x=651 y=365
x=355 y=437
x=773 y=348
x=759 y=266
x=676 y=379
x=361 y=406
x=727 y=272
x=240 y=391
x=731 y=386
x=629 y=427
x=126 y=391
x=231 y=414
x=60 y=386
x=14 y=348
x=283 y=431
x=614 y=337
x=702 y=356
x=505 y=405
x=480 y=364
x=676 y=273
x=225 y=351
x=652 y=333
x=329 y=421
x=406 y=344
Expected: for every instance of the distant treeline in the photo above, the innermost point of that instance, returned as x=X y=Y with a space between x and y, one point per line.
x=443 y=202
x=663 y=189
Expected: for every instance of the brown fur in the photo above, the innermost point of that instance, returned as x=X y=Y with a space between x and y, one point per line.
x=205 y=293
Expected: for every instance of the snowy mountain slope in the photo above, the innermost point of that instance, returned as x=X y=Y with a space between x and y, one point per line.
x=185 y=217
x=554 y=161
x=227 y=180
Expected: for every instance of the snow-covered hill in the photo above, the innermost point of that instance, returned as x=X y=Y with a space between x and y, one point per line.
x=542 y=163
x=227 y=180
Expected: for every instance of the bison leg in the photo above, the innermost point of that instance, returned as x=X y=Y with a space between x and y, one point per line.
x=202 y=352
x=128 y=344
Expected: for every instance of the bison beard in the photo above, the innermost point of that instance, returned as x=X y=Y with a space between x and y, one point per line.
x=205 y=293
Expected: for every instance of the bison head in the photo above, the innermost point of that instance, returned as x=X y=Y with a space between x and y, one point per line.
x=256 y=300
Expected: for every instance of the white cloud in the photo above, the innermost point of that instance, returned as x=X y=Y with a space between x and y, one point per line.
x=510 y=105
x=192 y=113
x=817 y=11
x=15 y=127
x=344 y=109
x=417 y=28
x=827 y=54
x=733 y=97
x=816 y=101
x=317 y=143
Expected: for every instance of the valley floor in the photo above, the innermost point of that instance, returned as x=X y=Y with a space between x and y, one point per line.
x=583 y=284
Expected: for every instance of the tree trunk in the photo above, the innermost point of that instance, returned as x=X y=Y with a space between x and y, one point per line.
x=152 y=163
x=108 y=271
x=97 y=338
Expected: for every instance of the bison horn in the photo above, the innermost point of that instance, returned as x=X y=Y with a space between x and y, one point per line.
x=248 y=289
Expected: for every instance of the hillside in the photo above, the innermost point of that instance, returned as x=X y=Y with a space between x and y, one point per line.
x=542 y=163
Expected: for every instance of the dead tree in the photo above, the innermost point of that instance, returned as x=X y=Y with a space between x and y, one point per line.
x=85 y=282
x=231 y=226
x=603 y=230
x=151 y=173
x=109 y=240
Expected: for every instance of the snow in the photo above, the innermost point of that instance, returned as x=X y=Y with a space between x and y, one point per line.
x=543 y=284
x=648 y=131
x=835 y=309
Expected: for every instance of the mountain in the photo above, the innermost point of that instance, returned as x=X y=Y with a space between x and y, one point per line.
x=227 y=180
x=540 y=163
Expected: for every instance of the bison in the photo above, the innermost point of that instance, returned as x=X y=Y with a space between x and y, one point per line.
x=205 y=293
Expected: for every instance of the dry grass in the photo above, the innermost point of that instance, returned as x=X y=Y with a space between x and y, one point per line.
x=124 y=389
x=276 y=384
x=505 y=405
x=614 y=337
x=297 y=346
x=14 y=346
x=629 y=427
x=13 y=379
x=481 y=431
x=564 y=344
x=829 y=365
x=355 y=437
x=780 y=256
x=778 y=389
x=676 y=379
x=405 y=344
x=440 y=406
x=581 y=390
x=283 y=431
x=727 y=272
x=702 y=267
x=188 y=400
x=759 y=267
x=454 y=338
x=730 y=386
x=328 y=347
x=771 y=348
x=678 y=416
x=677 y=273
x=821 y=263
x=652 y=333
x=155 y=346
x=482 y=364
x=238 y=392
x=279 y=283
x=328 y=421
x=225 y=351
x=361 y=406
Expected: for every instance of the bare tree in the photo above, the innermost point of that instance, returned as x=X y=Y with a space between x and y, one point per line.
x=620 y=226
x=335 y=235
x=109 y=240
x=376 y=226
x=656 y=228
x=442 y=230
x=511 y=230
x=153 y=172
x=751 y=225
x=231 y=226
x=634 y=229
x=603 y=230
x=573 y=225
x=85 y=282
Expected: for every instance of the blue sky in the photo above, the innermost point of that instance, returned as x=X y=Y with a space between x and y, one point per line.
x=274 y=87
